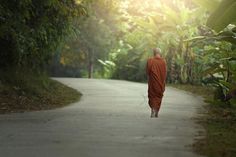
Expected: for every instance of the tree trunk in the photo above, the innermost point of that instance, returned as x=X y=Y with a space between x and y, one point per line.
x=90 y=69
x=90 y=64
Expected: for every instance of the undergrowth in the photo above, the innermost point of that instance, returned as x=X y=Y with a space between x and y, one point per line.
x=220 y=125
x=24 y=90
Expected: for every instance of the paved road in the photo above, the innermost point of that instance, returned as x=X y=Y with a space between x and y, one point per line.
x=111 y=120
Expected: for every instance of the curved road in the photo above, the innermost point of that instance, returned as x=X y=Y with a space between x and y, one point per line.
x=111 y=120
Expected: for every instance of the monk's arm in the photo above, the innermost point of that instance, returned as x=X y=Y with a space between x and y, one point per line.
x=165 y=70
x=147 y=73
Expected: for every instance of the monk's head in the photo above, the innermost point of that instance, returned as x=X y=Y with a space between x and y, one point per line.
x=157 y=52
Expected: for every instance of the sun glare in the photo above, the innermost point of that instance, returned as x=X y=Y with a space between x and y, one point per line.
x=78 y=1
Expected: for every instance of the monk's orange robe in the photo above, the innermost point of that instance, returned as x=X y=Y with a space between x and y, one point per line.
x=156 y=71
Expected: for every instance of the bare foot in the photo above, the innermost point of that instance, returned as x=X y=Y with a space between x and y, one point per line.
x=152 y=113
x=156 y=114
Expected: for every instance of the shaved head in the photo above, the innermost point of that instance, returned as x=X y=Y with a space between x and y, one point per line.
x=156 y=51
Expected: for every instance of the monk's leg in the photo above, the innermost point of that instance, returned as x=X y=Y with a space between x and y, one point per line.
x=157 y=107
x=151 y=105
x=152 y=113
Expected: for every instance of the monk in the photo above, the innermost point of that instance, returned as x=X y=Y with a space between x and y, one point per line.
x=156 y=72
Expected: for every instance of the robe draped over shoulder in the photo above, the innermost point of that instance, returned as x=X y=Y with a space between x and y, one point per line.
x=156 y=71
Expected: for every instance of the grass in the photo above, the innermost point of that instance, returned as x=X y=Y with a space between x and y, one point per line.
x=195 y=89
x=22 y=91
x=219 y=123
x=220 y=139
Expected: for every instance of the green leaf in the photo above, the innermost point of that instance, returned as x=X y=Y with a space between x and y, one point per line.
x=211 y=70
x=197 y=38
x=224 y=15
x=227 y=35
x=110 y=63
x=102 y=62
x=227 y=84
x=214 y=70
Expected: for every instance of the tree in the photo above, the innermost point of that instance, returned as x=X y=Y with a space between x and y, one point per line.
x=96 y=37
x=222 y=13
x=31 y=30
x=166 y=24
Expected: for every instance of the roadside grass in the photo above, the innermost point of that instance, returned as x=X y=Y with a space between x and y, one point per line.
x=25 y=91
x=219 y=123
x=204 y=91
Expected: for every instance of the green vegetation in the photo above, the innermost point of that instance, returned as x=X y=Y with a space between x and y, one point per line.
x=206 y=92
x=117 y=37
x=22 y=91
x=219 y=123
x=30 y=33
x=220 y=138
x=86 y=54
x=113 y=39
x=31 y=30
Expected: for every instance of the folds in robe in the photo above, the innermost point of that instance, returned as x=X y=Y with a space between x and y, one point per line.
x=156 y=71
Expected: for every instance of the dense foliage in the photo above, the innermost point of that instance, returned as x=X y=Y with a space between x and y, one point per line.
x=30 y=33
x=95 y=40
x=197 y=38
x=30 y=30
x=113 y=39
